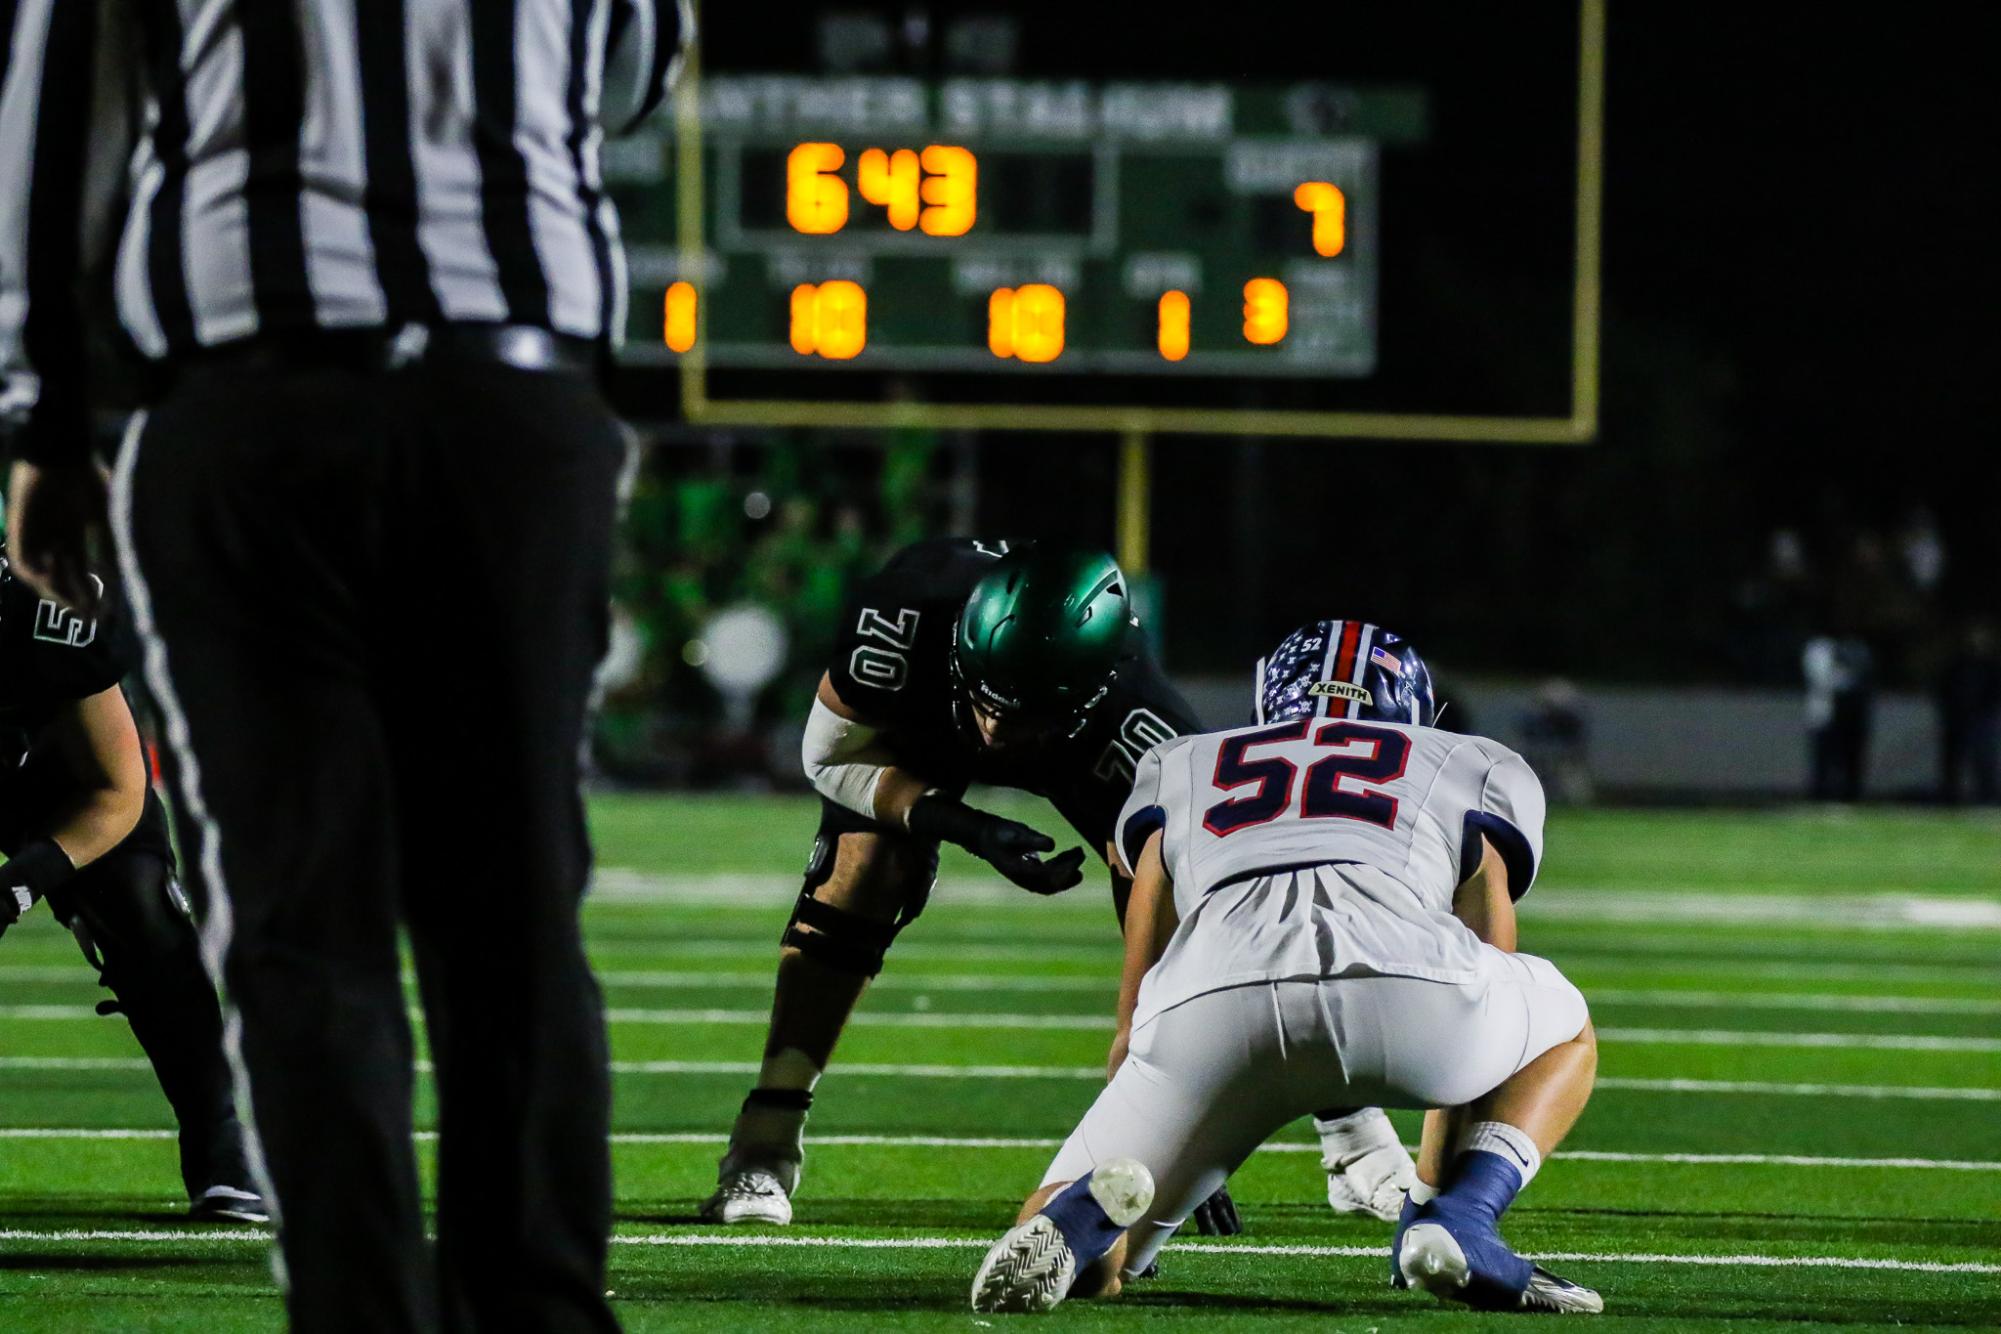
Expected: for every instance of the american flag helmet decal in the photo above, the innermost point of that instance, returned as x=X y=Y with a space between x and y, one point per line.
x=1344 y=669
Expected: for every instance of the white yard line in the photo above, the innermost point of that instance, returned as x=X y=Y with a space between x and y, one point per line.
x=1947 y=1094
x=764 y=1238
x=1100 y=1022
x=761 y=981
x=669 y=979
x=706 y=1138
x=1093 y=1072
x=1730 y=1037
x=1839 y=1002
x=1806 y=906
x=1625 y=965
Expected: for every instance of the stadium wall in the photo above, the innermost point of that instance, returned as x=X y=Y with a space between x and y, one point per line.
x=1651 y=743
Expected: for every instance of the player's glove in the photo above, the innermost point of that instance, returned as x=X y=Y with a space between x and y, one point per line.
x=1217 y=1215
x=1010 y=847
x=30 y=874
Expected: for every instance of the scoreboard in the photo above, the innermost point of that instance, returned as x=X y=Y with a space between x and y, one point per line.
x=1019 y=228
x=1132 y=254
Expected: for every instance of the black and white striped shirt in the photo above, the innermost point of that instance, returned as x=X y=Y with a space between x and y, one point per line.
x=288 y=165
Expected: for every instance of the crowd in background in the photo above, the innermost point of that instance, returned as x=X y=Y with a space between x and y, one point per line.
x=786 y=524
x=1864 y=609
x=782 y=523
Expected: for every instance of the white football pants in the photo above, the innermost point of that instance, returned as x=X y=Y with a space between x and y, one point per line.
x=1208 y=1081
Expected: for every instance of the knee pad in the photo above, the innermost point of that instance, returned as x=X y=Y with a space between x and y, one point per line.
x=836 y=937
x=846 y=940
x=132 y=923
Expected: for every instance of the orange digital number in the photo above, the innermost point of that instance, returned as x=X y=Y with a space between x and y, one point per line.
x=816 y=200
x=889 y=180
x=1026 y=322
x=1265 y=310
x=830 y=319
x=950 y=190
x=1000 y=322
x=1174 y=325
x=1329 y=208
x=681 y=316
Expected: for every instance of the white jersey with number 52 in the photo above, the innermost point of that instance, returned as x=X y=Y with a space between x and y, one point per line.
x=1326 y=847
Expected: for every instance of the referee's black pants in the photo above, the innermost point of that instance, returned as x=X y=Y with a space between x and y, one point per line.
x=374 y=602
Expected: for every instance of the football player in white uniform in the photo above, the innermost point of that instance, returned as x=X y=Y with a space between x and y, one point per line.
x=1322 y=912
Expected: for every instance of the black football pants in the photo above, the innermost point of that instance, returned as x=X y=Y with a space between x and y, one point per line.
x=121 y=908
x=374 y=602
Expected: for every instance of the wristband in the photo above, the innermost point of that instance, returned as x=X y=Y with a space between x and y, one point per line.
x=37 y=868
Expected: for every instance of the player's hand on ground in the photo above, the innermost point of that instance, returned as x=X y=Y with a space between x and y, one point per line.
x=1217 y=1215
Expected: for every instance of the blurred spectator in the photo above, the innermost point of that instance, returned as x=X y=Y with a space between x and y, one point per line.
x=1922 y=551
x=1871 y=592
x=1840 y=696
x=1777 y=607
x=1556 y=738
x=782 y=523
x=1969 y=716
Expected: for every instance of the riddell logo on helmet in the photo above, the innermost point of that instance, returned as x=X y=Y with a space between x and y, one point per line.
x=998 y=702
x=1342 y=690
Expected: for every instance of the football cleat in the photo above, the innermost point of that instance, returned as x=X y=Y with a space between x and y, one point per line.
x=1460 y=1263
x=229 y=1204
x=1368 y=1169
x=1404 y=1220
x=1031 y=1268
x=749 y=1195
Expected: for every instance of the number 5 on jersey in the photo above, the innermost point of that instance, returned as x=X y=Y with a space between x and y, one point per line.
x=1323 y=794
x=884 y=668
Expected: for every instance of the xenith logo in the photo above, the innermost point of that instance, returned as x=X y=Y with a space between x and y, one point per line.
x=57 y=624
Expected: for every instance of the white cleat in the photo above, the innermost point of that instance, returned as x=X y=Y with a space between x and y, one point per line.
x=1368 y=1169
x=1559 y=1296
x=749 y=1195
x=1432 y=1259
x=1030 y=1269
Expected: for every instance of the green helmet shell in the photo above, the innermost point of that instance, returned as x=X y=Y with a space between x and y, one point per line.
x=1042 y=633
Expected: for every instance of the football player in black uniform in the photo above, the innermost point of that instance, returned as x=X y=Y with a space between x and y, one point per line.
x=963 y=662
x=81 y=827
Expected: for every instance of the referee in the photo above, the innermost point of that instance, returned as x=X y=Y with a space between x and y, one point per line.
x=365 y=525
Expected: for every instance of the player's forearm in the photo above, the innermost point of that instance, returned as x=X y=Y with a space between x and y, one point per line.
x=1150 y=923
x=896 y=793
x=98 y=745
x=99 y=821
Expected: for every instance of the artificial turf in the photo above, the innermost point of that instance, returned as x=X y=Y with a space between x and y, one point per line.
x=1804 y=1005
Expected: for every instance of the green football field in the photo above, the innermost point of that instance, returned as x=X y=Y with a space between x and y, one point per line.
x=1798 y=1120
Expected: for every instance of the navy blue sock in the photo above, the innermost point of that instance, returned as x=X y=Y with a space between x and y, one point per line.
x=1481 y=1181
x=1082 y=1221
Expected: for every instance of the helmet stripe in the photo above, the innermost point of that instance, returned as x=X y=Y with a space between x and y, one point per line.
x=1258 y=697
x=1344 y=663
x=1327 y=667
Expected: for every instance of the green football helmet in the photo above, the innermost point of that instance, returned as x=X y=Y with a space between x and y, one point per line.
x=1039 y=641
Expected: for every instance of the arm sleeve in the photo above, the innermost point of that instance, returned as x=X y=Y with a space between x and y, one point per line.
x=1143 y=813
x=645 y=51
x=1510 y=814
x=65 y=122
x=842 y=760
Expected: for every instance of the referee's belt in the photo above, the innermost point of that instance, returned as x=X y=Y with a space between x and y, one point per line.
x=519 y=346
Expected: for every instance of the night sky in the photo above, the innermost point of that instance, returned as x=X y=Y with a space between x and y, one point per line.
x=1800 y=326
